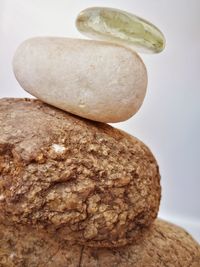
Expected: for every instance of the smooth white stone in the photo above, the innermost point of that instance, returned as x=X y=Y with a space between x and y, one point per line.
x=95 y=80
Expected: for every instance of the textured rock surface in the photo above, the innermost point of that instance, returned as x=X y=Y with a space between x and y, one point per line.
x=163 y=245
x=114 y=25
x=95 y=80
x=85 y=180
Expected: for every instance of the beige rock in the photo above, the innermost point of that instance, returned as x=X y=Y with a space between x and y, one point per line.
x=162 y=245
x=84 y=181
x=95 y=80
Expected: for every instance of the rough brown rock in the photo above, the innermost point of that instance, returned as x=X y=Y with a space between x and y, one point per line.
x=162 y=245
x=84 y=180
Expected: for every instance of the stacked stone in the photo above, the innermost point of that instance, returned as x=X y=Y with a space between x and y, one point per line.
x=74 y=191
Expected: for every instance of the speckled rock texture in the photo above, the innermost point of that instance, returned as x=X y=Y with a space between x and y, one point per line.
x=85 y=181
x=162 y=245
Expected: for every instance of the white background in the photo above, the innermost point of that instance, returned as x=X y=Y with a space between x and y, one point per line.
x=168 y=122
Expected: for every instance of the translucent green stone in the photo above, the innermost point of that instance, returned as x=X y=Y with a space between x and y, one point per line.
x=118 y=26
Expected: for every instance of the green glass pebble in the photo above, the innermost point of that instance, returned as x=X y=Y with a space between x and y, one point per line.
x=118 y=26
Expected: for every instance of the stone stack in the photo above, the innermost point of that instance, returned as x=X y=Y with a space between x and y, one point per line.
x=74 y=191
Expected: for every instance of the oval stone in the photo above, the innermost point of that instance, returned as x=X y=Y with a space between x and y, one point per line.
x=95 y=80
x=118 y=26
x=85 y=182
